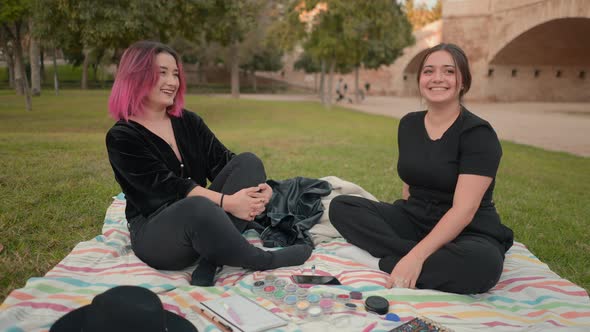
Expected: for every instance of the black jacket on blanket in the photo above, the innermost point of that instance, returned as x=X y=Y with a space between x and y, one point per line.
x=295 y=207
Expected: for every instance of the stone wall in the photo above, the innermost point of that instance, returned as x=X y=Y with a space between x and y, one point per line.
x=546 y=36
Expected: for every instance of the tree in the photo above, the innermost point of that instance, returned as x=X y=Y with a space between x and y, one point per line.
x=8 y=51
x=324 y=39
x=343 y=35
x=375 y=33
x=228 y=23
x=309 y=65
x=34 y=58
x=114 y=25
x=421 y=15
x=291 y=30
x=266 y=59
x=13 y=18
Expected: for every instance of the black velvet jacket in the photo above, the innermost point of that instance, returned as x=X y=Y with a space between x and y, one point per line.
x=147 y=169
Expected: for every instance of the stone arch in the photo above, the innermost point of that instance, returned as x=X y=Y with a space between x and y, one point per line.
x=412 y=66
x=514 y=20
x=562 y=41
x=410 y=73
x=404 y=69
x=547 y=62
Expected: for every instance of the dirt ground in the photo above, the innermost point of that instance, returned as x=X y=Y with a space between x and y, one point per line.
x=552 y=126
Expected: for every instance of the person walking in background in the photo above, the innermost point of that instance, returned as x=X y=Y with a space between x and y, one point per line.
x=367 y=88
x=444 y=233
x=163 y=155
x=339 y=87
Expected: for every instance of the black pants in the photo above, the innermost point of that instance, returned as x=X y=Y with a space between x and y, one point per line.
x=195 y=226
x=469 y=264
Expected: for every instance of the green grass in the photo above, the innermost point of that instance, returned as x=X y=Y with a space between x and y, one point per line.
x=56 y=182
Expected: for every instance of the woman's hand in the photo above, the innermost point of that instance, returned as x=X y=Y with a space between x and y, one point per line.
x=264 y=193
x=245 y=204
x=406 y=272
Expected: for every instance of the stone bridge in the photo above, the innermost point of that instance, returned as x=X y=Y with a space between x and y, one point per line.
x=519 y=50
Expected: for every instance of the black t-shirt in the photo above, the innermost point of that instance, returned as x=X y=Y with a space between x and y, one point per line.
x=431 y=167
x=147 y=169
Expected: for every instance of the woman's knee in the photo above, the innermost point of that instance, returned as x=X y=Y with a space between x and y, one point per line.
x=340 y=208
x=249 y=159
x=194 y=204
x=476 y=271
x=193 y=211
x=488 y=264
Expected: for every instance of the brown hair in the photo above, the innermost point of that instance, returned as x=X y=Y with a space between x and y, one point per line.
x=460 y=61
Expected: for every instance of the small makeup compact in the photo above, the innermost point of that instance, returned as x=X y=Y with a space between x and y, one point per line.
x=377 y=304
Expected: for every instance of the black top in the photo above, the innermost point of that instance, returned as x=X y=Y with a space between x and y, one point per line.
x=147 y=169
x=431 y=167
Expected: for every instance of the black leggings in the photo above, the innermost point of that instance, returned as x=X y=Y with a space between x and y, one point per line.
x=467 y=265
x=195 y=226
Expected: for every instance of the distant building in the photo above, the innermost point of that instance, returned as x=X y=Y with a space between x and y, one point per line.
x=519 y=50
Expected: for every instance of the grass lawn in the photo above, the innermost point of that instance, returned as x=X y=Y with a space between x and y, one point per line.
x=56 y=182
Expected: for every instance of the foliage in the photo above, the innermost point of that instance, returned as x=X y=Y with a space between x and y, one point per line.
x=229 y=21
x=307 y=63
x=267 y=59
x=377 y=33
x=421 y=15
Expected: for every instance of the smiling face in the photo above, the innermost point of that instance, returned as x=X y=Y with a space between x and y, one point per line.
x=164 y=91
x=440 y=80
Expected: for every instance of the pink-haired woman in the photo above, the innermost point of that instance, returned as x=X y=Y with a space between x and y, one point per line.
x=162 y=156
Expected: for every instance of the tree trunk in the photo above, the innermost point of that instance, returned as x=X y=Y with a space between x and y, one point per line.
x=356 y=85
x=55 y=78
x=235 y=70
x=84 y=84
x=8 y=54
x=94 y=72
x=10 y=63
x=254 y=85
x=315 y=82
x=42 y=64
x=323 y=82
x=23 y=82
x=34 y=57
x=19 y=70
x=330 y=81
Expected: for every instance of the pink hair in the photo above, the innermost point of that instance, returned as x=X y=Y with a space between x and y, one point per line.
x=137 y=75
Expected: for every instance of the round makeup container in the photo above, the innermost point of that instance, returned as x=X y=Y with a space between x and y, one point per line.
x=258 y=287
x=280 y=283
x=290 y=300
x=350 y=307
x=342 y=298
x=302 y=306
x=269 y=291
x=314 y=313
x=327 y=306
x=377 y=304
x=302 y=293
x=326 y=295
x=291 y=288
x=313 y=299
x=356 y=295
x=278 y=296
x=270 y=279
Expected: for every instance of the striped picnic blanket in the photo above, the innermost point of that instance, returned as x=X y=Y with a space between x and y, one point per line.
x=529 y=296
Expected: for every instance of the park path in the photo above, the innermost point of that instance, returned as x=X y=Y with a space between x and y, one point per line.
x=552 y=126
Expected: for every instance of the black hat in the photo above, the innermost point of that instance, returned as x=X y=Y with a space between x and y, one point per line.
x=123 y=308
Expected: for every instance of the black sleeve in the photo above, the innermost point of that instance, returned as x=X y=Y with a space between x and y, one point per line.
x=145 y=179
x=480 y=152
x=217 y=155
